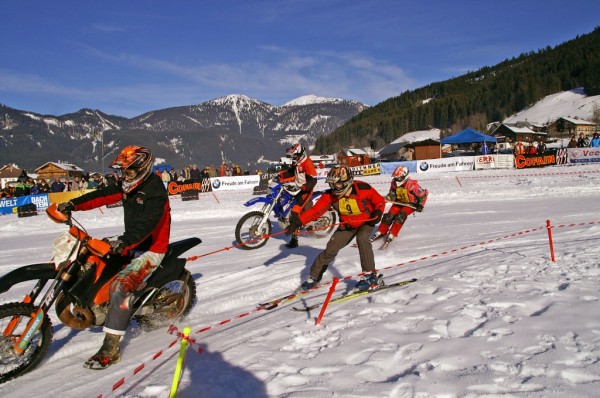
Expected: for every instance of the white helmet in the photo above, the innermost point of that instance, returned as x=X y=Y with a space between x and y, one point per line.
x=297 y=153
x=400 y=174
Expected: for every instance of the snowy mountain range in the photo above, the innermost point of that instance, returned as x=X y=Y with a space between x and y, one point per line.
x=235 y=128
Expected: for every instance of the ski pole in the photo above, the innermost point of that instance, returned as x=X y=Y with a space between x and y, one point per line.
x=324 y=307
x=177 y=376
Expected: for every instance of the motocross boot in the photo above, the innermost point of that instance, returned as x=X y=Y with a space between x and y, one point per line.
x=377 y=235
x=369 y=282
x=109 y=353
x=293 y=242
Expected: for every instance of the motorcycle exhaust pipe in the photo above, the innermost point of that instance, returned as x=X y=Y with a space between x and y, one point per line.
x=78 y=318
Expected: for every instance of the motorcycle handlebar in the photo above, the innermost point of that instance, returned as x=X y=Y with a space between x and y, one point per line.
x=57 y=216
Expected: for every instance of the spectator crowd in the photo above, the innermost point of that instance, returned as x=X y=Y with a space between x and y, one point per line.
x=30 y=186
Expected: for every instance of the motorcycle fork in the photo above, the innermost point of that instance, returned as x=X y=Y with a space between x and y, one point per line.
x=29 y=298
x=266 y=210
x=37 y=318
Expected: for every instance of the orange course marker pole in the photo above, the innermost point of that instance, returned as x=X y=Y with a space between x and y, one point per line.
x=326 y=303
x=550 y=240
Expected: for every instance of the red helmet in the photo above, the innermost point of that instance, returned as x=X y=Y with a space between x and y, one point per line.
x=135 y=164
x=400 y=174
x=340 y=180
x=297 y=153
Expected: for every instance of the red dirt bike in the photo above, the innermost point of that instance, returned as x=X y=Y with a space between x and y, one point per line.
x=78 y=278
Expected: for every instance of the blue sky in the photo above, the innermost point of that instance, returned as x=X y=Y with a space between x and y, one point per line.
x=130 y=57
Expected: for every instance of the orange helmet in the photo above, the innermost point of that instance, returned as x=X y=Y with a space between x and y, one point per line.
x=400 y=174
x=135 y=164
x=340 y=180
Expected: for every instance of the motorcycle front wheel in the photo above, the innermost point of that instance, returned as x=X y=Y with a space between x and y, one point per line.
x=248 y=232
x=14 y=317
x=171 y=302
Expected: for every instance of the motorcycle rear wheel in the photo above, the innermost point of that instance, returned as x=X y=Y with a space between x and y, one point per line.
x=321 y=227
x=172 y=301
x=247 y=233
x=11 y=364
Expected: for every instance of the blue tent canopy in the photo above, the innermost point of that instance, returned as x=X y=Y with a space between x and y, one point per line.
x=467 y=136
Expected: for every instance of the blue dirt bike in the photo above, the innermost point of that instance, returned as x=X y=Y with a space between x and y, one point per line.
x=254 y=228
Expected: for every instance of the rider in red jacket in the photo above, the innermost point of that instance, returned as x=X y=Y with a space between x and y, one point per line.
x=360 y=208
x=406 y=196
x=147 y=215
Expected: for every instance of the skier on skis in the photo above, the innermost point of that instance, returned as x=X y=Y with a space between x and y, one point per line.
x=301 y=175
x=360 y=207
x=406 y=196
x=147 y=217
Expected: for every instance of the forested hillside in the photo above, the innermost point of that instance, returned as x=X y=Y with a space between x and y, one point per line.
x=476 y=98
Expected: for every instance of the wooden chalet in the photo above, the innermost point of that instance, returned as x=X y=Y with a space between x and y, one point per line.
x=423 y=144
x=353 y=157
x=9 y=173
x=514 y=133
x=57 y=169
x=565 y=127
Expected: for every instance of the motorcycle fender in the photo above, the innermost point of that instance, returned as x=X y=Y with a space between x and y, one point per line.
x=254 y=201
x=169 y=270
x=27 y=273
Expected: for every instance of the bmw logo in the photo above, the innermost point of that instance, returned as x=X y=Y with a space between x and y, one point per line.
x=216 y=183
x=423 y=166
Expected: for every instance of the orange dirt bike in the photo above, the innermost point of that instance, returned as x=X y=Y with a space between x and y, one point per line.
x=78 y=279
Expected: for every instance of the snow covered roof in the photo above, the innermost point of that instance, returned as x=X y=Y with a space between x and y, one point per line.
x=578 y=121
x=10 y=171
x=517 y=129
x=64 y=166
x=421 y=135
x=354 y=151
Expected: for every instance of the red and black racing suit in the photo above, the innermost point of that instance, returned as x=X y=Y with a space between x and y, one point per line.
x=147 y=218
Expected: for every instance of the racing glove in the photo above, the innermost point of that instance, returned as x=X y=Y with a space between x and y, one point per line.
x=66 y=208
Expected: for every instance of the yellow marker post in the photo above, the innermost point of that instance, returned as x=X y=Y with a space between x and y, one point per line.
x=178 y=369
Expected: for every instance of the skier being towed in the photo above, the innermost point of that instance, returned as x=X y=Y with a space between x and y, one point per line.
x=360 y=207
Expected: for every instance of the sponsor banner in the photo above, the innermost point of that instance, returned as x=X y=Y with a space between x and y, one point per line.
x=584 y=155
x=9 y=205
x=60 y=197
x=322 y=173
x=459 y=163
x=234 y=182
x=562 y=156
x=366 y=170
x=548 y=158
x=263 y=183
x=389 y=167
x=486 y=162
x=177 y=187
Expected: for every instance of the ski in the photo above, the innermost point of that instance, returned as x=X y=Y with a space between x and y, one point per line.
x=385 y=245
x=351 y=296
x=269 y=305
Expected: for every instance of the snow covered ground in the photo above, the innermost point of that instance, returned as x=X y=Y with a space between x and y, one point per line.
x=572 y=103
x=490 y=315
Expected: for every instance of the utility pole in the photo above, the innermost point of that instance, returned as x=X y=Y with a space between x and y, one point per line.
x=102 y=149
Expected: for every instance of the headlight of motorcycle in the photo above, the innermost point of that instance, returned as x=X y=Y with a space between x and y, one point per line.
x=64 y=248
